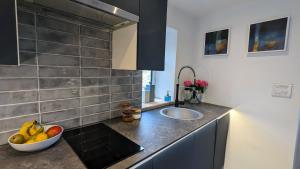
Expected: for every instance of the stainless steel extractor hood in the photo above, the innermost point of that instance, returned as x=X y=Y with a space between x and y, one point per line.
x=111 y=16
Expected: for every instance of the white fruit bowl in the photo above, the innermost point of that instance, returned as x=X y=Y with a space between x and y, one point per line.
x=37 y=146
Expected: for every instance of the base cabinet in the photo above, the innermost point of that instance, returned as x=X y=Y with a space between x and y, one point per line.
x=193 y=152
x=146 y=165
x=204 y=149
x=177 y=156
x=221 y=140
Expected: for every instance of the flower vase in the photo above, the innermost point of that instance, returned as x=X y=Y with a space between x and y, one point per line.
x=196 y=97
x=187 y=95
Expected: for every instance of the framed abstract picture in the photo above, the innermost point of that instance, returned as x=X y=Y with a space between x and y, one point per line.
x=269 y=36
x=217 y=42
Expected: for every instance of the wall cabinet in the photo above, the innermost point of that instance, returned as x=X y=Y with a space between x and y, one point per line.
x=152 y=34
x=9 y=51
x=149 y=37
x=203 y=149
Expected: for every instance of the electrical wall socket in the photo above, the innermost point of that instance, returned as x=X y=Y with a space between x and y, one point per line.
x=282 y=90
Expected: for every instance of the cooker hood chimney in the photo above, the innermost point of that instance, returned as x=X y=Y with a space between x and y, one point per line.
x=113 y=17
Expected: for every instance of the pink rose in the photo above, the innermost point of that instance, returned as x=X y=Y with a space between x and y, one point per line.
x=205 y=83
x=188 y=83
x=201 y=83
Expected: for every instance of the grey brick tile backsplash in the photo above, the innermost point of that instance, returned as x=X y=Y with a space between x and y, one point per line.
x=137 y=87
x=121 y=80
x=92 y=91
x=96 y=33
x=90 y=62
x=18 y=110
x=58 y=60
x=54 y=94
x=59 y=71
x=137 y=102
x=121 y=72
x=115 y=113
x=95 y=109
x=57 y=105
x=60 y=115
x=26 y=18
x=95 y=53
x=65 y=75
x=95 y=72
x=20 y=71
x=18 y=97
x=27 y=45
x=57 y=36
x=28 y=58
x=137 y=79
x=95 y=118
x=67 y=124
x=96 y=43
x=85 y=82
x=121 y=96
x=86 y=101
x=48 y=83
x=56 y=24
x=26 y=31
x=18 y=84
x=137 y=94
x=5 y=135
x=57 y=48
x=121 y=89
x=15 y=123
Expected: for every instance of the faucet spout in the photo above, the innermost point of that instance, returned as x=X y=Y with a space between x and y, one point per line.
x=177 y=85
x=186 y=67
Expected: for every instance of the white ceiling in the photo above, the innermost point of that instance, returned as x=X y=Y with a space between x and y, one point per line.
x=201 y=7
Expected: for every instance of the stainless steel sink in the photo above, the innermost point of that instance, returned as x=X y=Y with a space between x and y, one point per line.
x=181 y=113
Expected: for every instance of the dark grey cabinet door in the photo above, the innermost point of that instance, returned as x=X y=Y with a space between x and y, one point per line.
x=204 y=147
x=146 y=165
x=152 y=34
x=132 y=6
x=178 y=156
x=8 y=33
x=221 y=140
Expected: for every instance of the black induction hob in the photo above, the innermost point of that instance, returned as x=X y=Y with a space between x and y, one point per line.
x=98 y=146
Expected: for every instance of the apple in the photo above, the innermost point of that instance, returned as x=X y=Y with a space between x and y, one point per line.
x=53 y=131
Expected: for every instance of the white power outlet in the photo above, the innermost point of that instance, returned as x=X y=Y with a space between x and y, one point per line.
x=282 y=90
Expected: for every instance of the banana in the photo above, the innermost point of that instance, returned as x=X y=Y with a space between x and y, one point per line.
x=35 y=128
x=32 y=139
x=32 y=130
x=24 y=130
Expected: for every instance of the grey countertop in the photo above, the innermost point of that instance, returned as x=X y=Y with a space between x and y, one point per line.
x=153 y=132
x=59 y=156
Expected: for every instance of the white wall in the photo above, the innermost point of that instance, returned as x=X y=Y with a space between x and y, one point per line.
x=263 y=129
x=185 y=24
x=164 y=80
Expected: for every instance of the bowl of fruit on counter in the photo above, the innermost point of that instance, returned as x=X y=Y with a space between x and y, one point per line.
x=35 y=137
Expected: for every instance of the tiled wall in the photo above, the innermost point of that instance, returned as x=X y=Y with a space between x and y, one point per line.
x=65 y=75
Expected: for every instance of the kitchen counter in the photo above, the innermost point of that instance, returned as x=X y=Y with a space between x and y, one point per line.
x=60 y=156
x=153 y=132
